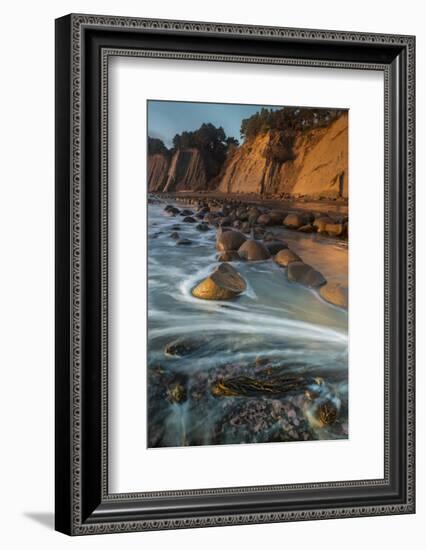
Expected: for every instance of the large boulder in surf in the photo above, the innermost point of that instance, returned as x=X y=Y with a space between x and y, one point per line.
x=285 y=257
x=304 y=274
x=223 y=284
x=335 y=293
x=229 y=240
x=253 y=251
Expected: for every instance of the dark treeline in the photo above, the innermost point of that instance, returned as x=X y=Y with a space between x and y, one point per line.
x=207 y=138
x=288 y=119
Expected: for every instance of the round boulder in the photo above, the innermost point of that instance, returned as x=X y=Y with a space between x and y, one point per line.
x=336 y=294
x=285 y=257
x=264 y=219
x=293 y=221
x=229 y=240
x=189 y=219
x=276 y=217
x=334 y=229
x=202 y=227
x=253 y=251
x=304 y=274
x=223 y=284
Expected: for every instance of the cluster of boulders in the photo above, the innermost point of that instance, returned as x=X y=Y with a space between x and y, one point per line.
x=225 y=282
x=235 y=221
x=245 y=217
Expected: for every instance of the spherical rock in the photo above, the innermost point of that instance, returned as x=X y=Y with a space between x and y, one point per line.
x=277 y=217
x=172 y=211
x=285 y=257
x=202 y=227
x=293 y=221
x=335 y=293
x=189 y=219
x=253 y=250
x=229 y=240
x=304 y=274
x=334 y=229
x=264 y=219
x=223 y=284
x=186 y=212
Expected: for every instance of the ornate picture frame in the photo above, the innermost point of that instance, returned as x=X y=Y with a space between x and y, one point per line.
x=84 y=44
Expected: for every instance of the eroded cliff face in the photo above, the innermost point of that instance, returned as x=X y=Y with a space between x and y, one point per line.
x=185 y=170
x=158 y=169
x=314 y=163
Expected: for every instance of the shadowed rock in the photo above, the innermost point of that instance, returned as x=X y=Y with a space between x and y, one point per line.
x=264 y=219
x=202 y=227
x=223 y=284
x=189 y=219
x=229 y=240
x=293 y=221
x=334 y=229
x=285 y=257
x=253 y=250
x=277 y=217
x=304 y=274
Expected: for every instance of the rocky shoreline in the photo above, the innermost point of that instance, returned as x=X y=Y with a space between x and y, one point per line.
x=251 y=229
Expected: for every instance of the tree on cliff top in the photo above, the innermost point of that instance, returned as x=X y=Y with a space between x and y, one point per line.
x=206 y=138
x=156 y=147
x=288 y=119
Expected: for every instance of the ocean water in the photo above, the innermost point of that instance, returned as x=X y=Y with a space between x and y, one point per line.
x=275 y=330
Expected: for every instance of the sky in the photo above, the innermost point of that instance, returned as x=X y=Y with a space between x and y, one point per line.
x=168 y=118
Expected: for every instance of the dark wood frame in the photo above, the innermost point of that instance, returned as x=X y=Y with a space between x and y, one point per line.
x=83 y=46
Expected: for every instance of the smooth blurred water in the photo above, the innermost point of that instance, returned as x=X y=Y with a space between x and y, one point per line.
x=274 y=320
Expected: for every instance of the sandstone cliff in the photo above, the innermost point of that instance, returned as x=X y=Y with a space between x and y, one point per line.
x=312 y=163
x=315 y=165
x=184 y=170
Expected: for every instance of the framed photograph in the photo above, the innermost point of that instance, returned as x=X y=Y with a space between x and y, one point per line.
x=234 y=274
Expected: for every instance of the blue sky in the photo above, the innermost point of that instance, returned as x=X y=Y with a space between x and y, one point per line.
x=168 y=118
